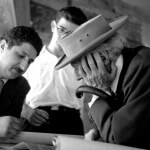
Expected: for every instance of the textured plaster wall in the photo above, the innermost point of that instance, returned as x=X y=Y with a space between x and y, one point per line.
x=137 y=29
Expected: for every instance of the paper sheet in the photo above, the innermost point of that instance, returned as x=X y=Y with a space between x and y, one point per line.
x=26 y=146
x=70 y=143
x=30 y=141
x=31 y=137
x=36 y=138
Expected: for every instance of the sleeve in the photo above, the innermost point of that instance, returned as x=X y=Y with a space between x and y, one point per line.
x=21 y=89
x=26 y=111
x=130 y=123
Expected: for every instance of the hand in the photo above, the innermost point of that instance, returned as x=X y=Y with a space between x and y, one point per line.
x=94 y=73
x=92 y=135
x=38 y=117
x=9 y=127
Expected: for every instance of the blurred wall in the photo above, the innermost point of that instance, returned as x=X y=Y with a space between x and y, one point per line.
x=12 y=13
x=7 y=15
x=138 y=25
x=22 y=11
x=137 y=29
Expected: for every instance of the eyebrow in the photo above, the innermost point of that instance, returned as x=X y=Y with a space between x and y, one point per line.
x=25 y=53
x=62 y=27
x=31 y=59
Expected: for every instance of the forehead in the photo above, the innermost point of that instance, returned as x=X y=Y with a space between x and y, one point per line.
x=67 y=24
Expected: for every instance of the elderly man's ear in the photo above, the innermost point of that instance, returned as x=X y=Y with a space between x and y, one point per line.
x=3 y=45
x=53 y=25
x=106 y=61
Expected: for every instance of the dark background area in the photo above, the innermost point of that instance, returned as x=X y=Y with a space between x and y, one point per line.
x=41 y=17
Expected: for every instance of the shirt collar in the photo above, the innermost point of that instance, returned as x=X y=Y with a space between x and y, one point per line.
x=119 y=64
x=5 y=80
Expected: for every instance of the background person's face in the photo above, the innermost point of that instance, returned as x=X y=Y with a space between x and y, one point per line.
x=15 y=61
x=62 y=28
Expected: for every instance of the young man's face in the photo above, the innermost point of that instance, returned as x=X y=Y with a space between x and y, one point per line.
x=15 y=61
x=64 y=27
x=61 y=29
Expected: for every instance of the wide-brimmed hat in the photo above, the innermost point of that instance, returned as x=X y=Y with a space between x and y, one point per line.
x=86 y=37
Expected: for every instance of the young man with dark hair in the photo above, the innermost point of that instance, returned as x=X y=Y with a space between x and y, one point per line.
x=18 y=48
x=51 y=105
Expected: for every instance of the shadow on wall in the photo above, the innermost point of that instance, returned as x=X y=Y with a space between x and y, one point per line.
x=41 y=17
x=7 y=15
x=138 y=25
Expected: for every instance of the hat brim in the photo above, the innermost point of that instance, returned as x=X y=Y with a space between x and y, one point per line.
x=116 y=25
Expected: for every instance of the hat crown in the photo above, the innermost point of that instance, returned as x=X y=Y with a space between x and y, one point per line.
x=84 y=35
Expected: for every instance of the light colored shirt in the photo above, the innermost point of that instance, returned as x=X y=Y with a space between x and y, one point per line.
x=49 y=86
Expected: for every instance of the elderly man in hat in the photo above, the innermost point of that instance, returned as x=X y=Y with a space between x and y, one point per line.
x=118 y=75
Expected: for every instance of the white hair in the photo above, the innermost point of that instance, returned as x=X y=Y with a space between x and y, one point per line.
x=111 y=49
x=113 y=46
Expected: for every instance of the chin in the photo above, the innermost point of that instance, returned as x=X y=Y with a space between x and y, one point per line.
x=13 y=75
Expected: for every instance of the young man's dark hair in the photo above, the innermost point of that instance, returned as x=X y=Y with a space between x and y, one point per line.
x=20 y=34
x=72 y=14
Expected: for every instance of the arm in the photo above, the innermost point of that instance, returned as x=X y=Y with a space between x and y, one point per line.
x=13 y=96
x=21 y=91
x=129 y=124
x=9 y=127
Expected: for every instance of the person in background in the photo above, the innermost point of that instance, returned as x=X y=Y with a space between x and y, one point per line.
x=51 y=105
x=18 y=48
x=118 y=75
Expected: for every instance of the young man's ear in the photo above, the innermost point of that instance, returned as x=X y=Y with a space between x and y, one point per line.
x=53 y=25
x=3 y=45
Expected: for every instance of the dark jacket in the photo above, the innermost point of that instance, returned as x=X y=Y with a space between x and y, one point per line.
x=12 y=97
x=126 y=120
